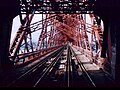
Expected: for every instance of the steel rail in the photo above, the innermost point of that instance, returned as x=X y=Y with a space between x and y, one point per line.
x=47 y=70
x=83 y=68
x=34 y=68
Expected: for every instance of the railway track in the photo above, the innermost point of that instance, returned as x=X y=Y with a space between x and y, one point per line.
x=83 y=78
x=31 y=77
x=94 y=78
x=61 y=69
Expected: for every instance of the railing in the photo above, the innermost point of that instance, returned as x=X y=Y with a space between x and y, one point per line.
x=31 y=55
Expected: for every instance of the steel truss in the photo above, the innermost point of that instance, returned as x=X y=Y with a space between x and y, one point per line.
x=56 y=29
x=57 y=6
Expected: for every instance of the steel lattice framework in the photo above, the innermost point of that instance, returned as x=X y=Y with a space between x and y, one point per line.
x=57 y=6
x=66 y=24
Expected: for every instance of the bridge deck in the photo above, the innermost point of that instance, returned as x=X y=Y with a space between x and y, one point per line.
x=97 y=74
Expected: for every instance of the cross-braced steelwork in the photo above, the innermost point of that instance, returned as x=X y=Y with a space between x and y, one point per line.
x=62 y=21
x=57 y=6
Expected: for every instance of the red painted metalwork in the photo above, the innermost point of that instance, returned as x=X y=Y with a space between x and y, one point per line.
x=56 y=30
x=63 y=28
x=21 y=35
